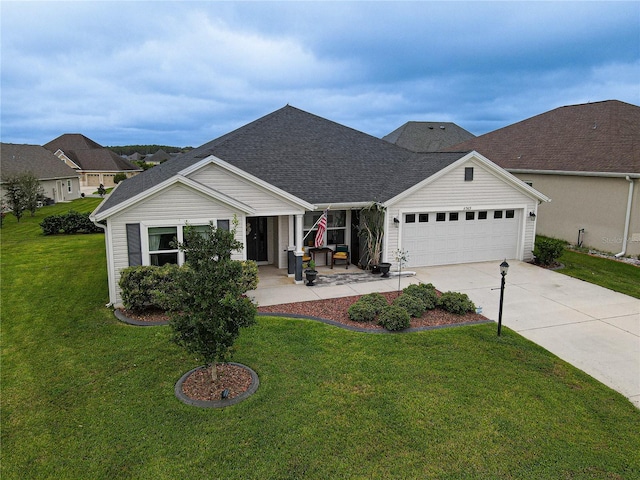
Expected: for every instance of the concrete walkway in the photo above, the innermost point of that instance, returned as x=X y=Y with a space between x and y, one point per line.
x=593 y=328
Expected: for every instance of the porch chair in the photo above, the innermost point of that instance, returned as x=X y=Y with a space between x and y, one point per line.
x=341 y=254
x=306 y=258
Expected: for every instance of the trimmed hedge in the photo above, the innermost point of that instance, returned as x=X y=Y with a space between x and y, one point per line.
x=455 y=302
x=362 y=312
x=548 y=250
x=69 y=223
x=425 y=292
x=412 y=304
x=148 y=286
x=394 y=318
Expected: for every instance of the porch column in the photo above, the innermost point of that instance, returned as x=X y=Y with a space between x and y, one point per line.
x=299 y=252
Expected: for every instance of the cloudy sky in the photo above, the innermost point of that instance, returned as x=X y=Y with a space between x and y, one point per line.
x=183 y=73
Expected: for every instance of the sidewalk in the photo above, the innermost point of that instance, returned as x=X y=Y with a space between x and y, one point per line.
x=593 y=328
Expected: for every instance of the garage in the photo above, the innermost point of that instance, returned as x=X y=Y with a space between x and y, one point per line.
x=448 y=237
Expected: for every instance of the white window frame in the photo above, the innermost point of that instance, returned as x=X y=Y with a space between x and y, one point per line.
x=179 y=225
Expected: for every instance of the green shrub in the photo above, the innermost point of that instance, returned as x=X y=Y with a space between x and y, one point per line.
x=548 y=250
x=362 y=312
x=119 y=177
x=455 y=302
x=52 y=225
x=412 y=304
x=249 y=275
x=68 y=223
x=425 y=292
x=377 y=300
x=394 y=318
x=148 y=286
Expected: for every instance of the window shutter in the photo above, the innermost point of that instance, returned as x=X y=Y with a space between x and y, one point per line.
x=133 y=244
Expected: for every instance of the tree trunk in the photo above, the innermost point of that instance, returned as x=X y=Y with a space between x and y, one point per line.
x=214 y=372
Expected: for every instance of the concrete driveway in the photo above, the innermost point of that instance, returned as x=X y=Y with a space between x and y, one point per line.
x=593 y=328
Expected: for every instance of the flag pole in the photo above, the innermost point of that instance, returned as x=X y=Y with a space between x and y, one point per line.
x=315 y=224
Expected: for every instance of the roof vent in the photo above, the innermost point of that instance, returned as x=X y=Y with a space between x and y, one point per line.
x=441 y=127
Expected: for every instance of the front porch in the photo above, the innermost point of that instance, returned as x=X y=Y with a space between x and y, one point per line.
x=276 y=287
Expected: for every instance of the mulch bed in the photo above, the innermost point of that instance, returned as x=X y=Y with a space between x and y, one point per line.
x=233 y=378
x=336 y=309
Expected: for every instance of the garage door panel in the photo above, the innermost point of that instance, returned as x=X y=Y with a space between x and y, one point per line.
x=461 y=241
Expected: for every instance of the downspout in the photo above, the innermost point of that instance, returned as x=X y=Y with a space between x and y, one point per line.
x=107 y=248
x=627 y=219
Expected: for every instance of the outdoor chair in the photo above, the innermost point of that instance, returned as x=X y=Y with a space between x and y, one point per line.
x=341 y=254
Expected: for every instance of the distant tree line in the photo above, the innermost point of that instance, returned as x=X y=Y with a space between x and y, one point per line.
x=147 y=149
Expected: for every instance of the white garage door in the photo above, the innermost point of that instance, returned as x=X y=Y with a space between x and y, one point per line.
x=444 y=238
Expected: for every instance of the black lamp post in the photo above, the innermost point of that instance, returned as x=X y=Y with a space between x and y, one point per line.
x=504 y=268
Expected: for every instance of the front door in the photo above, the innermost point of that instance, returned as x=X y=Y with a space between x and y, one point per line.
x=257 y=239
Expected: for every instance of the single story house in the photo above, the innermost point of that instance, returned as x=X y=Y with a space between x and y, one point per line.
x=428 y=136
x=95 y=164
x=277 y=174
x=59 y=182
x=587 y=158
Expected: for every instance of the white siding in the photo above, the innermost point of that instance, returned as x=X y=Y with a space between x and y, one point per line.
x=265 y=203
x=452 y=193
x=174 y=206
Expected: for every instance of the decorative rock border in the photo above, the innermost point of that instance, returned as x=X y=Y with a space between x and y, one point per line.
x=130 y=321
x=255 y=383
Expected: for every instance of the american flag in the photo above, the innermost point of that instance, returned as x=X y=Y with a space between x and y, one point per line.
x=322 y=227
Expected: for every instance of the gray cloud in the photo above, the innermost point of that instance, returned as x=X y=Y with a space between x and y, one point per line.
x=182 y=73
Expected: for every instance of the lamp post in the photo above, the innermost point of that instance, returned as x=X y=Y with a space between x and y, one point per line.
x=504 y=268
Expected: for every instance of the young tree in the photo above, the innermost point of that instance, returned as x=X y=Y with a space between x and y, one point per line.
x=101 y=190
x=15 y=195
x=33 y=192
x=208 y=307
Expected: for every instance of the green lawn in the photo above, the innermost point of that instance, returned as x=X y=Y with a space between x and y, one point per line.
x=84 y=396
x=618 y=276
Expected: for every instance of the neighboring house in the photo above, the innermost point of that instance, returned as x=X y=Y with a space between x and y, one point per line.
x=58 y=181
x=587 y=158
x=277 y=174
x=95 y=164
x=157 y=158
x=428 y=136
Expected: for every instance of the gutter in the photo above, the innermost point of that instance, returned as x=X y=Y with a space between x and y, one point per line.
x=573 y=173
x=627 y=219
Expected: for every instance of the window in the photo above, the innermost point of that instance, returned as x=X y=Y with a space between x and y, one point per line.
x=509 y=214
x=423 y=217
x=441 y=217
x=453 y=217
x=69 y=187
x=468 y=174
x=470 y=215
x=410 y=218
x=223 y=225
x=336 y=227
x=482 y=215
x=161 y=250
x=497 y=214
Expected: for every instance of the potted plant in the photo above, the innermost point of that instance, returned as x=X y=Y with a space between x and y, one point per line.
x=311 y=273
x=384 y=268
x=371 y=232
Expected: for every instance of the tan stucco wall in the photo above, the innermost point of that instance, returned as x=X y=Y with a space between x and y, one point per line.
x=597 y=204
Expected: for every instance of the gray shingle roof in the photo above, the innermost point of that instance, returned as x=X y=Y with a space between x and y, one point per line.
x=18 y=159
x=89 y=155
x=591 y=137
x=313 y=158
x=428 y=136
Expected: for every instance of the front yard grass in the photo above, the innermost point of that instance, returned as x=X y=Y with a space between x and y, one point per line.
x=618 y=276
x=85 y=396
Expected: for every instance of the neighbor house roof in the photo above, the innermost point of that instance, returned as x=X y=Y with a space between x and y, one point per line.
x=158 y=157
x=591 y=137
x=312 y=158
x=18 y=159
x=428 y=136
x=89 y=155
